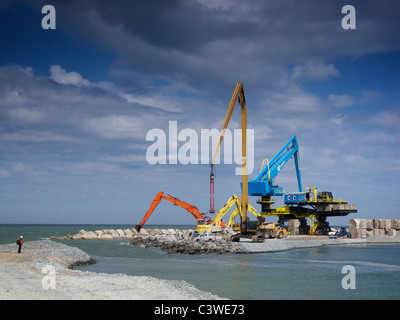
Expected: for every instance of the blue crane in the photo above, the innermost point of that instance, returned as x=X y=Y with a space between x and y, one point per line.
x=262 y=185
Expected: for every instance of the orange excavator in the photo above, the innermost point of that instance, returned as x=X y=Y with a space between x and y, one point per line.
x=200 y=219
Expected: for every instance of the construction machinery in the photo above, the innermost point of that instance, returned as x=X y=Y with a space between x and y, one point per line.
x=238 y=96
x=217 y=224
x=316 y=206
x=197 y=215
x=298 y=205
x=343 y=233
x=259 y=230
x=247 y=228
x=262 y=185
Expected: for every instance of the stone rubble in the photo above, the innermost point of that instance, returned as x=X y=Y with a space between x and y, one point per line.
x=170 y=240
x=176 y=244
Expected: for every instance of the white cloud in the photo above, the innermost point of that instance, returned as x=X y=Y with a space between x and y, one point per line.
x=343 y=100
x=59 y=75
x=314 y=71
x=4 y=173
x=117 y=126
x=339 y=119
x=386 y=118
x=160 y=102
x=24 y=114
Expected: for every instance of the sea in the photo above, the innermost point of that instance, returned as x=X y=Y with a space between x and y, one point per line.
x=353 y=272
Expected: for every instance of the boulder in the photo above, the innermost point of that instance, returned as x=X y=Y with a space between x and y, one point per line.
x=120 y=232
x=105 y=236
x=99 y=232
x=128 y=233
x=172 y=232
x=89 y=235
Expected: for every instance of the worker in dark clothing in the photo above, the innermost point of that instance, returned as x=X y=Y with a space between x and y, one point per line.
x=19 y=243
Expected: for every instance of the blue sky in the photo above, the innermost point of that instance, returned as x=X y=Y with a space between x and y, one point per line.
x=76 y=102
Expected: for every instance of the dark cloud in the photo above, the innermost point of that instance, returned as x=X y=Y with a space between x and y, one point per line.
x=204 y=42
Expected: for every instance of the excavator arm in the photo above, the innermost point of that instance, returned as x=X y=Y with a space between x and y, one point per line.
x=262 y=185
x=237 y=211
x=238 y=95
x=221 y=213
x=157 y=199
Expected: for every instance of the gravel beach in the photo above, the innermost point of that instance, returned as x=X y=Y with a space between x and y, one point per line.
x=300 y=242
x=22 y=277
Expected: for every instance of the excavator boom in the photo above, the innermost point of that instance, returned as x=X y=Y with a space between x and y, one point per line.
x=238 y=95
x=157 y=199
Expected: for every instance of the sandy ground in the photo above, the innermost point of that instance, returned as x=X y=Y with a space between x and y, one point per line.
x=22 y=277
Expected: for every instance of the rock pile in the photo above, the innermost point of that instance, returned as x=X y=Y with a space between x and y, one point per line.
x=185 y=245
x=103 y=234
x=169 y=240
x=364 y=228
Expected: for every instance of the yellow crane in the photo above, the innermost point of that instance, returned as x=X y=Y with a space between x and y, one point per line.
x=238 y=96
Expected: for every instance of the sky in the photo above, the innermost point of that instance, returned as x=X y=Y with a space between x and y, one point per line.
x=77 y=103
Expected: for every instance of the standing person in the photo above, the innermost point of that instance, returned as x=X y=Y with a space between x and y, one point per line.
x=19 y=243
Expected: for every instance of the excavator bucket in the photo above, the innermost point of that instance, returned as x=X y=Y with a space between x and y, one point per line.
x=138 y=227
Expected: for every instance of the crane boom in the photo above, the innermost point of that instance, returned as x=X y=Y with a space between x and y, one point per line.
x=262 y=184
x=157 y=199
x=238 y=95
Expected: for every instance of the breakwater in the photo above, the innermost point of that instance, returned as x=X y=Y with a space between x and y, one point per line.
x=169 y=240
x=105 y=234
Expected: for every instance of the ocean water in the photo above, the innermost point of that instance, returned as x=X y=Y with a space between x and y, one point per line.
x=313 y=273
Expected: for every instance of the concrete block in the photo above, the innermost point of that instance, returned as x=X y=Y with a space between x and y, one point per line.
x=293 y=223
x=391 y=232
x=356 y=223
x=379 y=232
x=369 y=224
